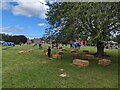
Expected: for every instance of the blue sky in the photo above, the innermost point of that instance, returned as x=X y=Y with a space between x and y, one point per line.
x=24 y=18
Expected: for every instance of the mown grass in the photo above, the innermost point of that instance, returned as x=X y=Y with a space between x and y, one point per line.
x=0 y=67
x=29 y=71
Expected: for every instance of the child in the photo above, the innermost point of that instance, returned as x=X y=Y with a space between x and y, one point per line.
x=49 y=51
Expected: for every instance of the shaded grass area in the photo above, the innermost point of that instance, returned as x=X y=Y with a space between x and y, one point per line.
x=0 y=67
x=28 y=70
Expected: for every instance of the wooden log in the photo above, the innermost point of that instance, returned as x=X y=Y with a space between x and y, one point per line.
x=82 y=63
x=24 y=51
x=88 y=56
x=104 y=62
x=75 y=54
x=56 y=56
x=45 y=51
x=60 y=52
x=20 y=52
x=63 y=49
x=73 y=51
x=29 y=50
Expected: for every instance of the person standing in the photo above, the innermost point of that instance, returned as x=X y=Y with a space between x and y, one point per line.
x=57 y=45
x=49 y=51
x=40 y=45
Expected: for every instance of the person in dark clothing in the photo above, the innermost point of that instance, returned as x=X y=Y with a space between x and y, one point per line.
x=49 y=51
x=52 y=45
x=56 y=45
x=40 y=45
x=70 y=44
x=79 y=45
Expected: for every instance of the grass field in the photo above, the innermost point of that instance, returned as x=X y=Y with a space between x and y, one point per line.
x=29 y=71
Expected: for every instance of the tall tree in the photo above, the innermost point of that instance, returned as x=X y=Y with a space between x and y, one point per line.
x=95 y=20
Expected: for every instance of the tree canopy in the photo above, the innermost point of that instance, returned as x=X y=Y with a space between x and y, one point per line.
x=96 y=20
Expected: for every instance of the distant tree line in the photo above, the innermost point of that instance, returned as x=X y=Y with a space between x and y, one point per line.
x=16 y=38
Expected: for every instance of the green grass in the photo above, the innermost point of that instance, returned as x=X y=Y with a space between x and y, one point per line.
x=28 y=71
x=0 y=67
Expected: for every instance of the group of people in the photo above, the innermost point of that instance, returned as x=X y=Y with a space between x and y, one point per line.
x=73 y=44
x=77 y=43
x=39 y=45
x=55 y=45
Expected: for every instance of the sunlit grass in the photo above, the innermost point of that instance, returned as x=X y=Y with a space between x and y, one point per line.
x=28 y=70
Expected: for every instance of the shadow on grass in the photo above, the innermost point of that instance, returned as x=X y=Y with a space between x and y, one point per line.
x=5 y=48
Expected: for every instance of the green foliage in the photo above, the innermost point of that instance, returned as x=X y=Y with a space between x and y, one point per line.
x=79 y=19
x=16 y=39
x=19 y=38
x=116 y=39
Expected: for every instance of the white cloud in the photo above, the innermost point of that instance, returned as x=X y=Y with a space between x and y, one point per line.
x=41 y=24
x=16 y=28
x=22 y=0
x=28 y=9
x=7 y=33
x=5 y=6
x=32 y=37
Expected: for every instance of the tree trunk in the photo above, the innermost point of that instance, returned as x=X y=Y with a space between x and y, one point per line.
x=100 y=49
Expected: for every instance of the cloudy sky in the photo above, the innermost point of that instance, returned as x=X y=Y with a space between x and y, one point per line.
x=26 y=18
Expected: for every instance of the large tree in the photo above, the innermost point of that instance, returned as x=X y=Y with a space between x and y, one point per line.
x=98 y=21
